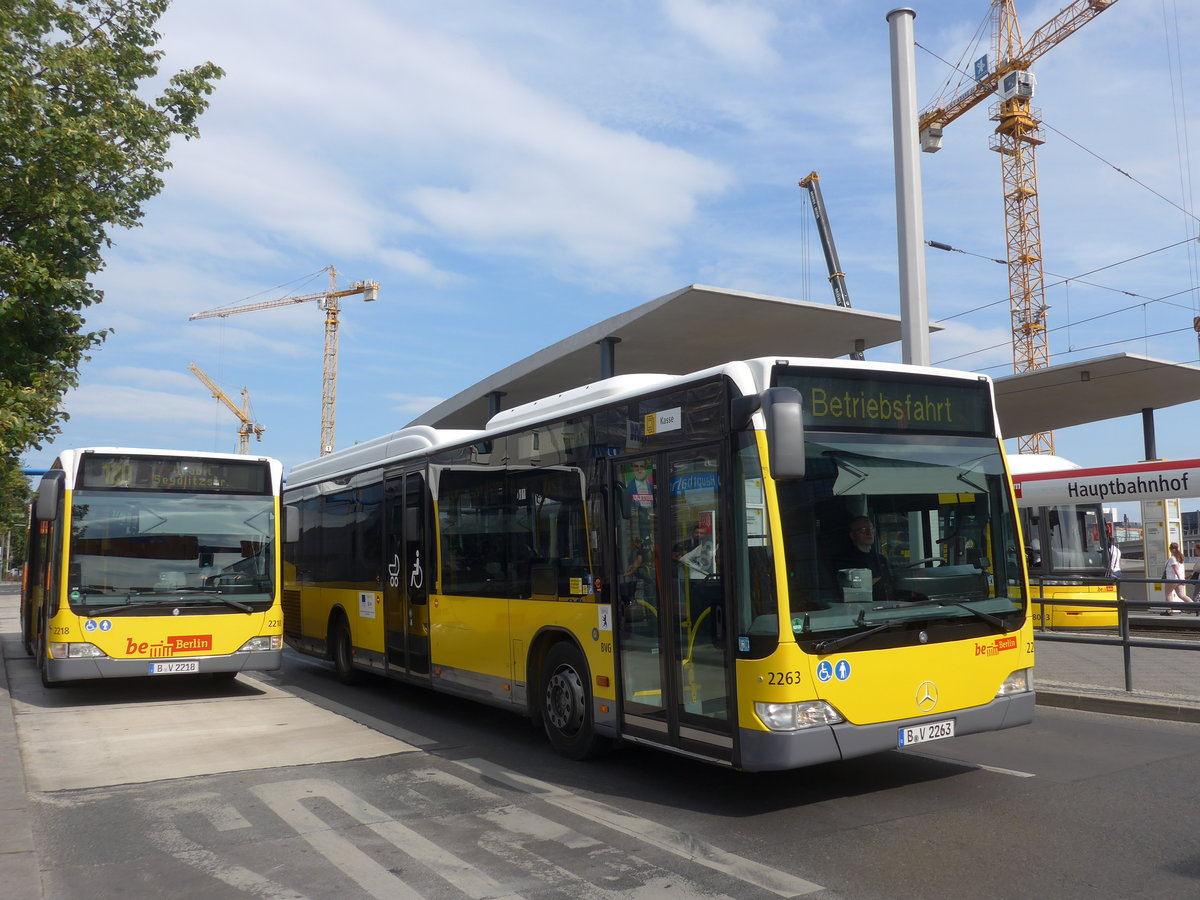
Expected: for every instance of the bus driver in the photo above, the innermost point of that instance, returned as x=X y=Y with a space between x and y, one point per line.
x=860 y=553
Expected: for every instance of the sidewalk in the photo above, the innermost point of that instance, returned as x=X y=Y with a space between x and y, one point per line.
x=18 y=860
x=1166 y=683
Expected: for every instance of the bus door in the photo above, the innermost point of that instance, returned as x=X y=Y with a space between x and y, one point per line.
x=674 y=658
x=407 y=571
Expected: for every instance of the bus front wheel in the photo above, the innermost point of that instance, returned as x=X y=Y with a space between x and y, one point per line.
x=567 y=703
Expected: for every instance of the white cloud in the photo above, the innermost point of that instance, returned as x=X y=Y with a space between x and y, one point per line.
x=456 y=147
x=734 y=32
x=415 y=265
x=123 y=402
x=412 y=405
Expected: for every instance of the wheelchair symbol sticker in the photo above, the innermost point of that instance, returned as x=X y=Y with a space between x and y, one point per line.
x=839 y=670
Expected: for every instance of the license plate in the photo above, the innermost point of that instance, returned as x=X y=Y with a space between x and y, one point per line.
x=175 y=668
x=921 y=734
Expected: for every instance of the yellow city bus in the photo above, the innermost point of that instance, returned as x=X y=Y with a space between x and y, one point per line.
x=1065 y=543
x=664 y=560
x=153 y=562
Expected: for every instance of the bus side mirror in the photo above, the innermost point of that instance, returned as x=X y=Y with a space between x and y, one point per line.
x=291 y=524
x=46 y=508
x=783 y=408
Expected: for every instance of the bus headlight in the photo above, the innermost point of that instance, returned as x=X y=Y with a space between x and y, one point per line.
x=262 y=642
x=76 y=651
x=1019 y=682
x=797 y=716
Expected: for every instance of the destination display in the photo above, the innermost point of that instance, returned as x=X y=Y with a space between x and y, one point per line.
x=890 y=402
x=153 y=473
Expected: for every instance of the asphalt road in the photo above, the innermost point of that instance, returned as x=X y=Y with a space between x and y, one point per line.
x=292 y=785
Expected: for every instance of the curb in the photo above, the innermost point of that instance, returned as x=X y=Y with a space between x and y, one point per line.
x=1117 y=704
x=18 y=859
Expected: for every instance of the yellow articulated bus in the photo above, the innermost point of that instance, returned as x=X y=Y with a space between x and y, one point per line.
x=153 y=562
x=767 y=564
x=1064 y=543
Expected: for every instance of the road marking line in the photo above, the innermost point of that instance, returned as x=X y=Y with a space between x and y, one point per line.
x=678 y=843
x=171 y=840
x=517 y=828
x=1014 y=772
x=285 y=798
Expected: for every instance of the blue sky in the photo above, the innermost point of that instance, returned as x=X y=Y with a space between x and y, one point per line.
x=512 y=172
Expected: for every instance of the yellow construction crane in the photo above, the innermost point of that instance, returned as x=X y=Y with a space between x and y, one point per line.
x=1015 y=138
x=327 y=301
x=247 y=426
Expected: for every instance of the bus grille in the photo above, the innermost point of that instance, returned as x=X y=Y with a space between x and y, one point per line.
x=291 y=613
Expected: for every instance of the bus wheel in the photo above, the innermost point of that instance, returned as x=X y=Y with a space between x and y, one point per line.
x=567 y=703
x=44 y=667
x=342 y=652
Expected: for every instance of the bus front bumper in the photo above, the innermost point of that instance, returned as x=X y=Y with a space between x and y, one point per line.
x=763 y=751
x=86 y=669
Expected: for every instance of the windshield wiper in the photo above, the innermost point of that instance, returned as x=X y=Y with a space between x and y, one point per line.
x=166 y=598
x=987 y=617
x=846 y=640
x=124 y=607
x=832 y=646
x=228 y=601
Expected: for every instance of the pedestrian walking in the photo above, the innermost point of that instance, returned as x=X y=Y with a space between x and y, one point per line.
x=1114 y=553
x=1175 y=577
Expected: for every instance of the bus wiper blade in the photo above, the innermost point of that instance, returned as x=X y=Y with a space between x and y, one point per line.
x=166 y=598
x=124 y=607
x=987 y=617
x=235 y=604
x=213 y=592
x=846 y=640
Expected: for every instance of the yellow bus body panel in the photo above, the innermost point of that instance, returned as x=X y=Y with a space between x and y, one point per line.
x=884 y=685
x=1061 y=614
x=493 y=636
x=470 y=634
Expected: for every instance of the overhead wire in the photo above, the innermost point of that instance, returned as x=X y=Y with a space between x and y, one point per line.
x=1085 y=321
x=1182 y=144
x=1063 y=278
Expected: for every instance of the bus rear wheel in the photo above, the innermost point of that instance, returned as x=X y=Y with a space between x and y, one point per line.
x=567 y=703
x=342 y=651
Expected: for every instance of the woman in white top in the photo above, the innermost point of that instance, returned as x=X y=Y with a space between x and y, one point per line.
x=1175 y=577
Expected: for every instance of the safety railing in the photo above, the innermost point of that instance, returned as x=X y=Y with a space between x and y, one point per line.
x=1123 y=638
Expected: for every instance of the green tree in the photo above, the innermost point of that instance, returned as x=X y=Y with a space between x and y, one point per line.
x=81 y=149
x=14 y=497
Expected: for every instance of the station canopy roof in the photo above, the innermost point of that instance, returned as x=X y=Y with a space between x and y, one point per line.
x=1093 y=390
x=699 y=326
x=685 y=331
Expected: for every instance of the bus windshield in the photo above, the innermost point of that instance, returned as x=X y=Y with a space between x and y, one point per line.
x=1064 y=540
x=130 y=548
x=903 y=528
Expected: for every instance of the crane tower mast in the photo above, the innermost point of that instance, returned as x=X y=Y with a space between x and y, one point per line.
x=328 y=302
x=247 y=426
x=1016 y=136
